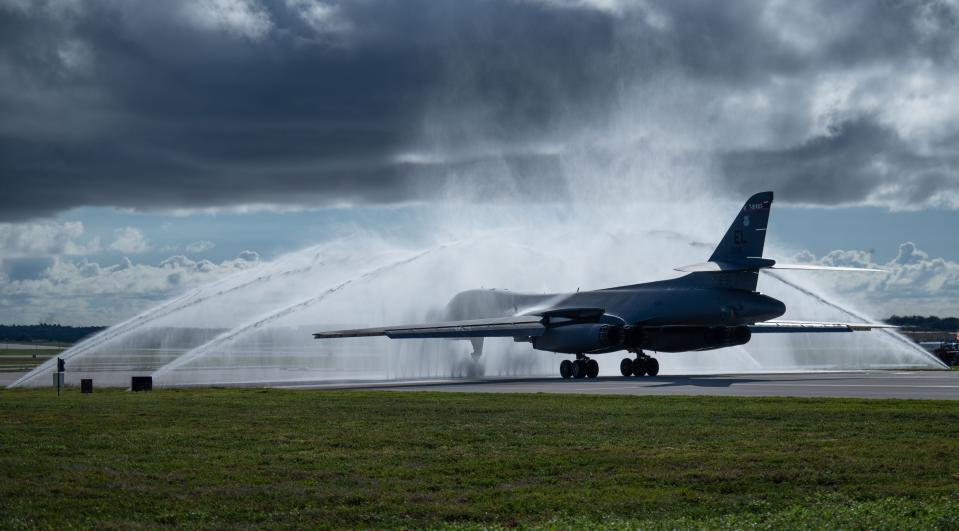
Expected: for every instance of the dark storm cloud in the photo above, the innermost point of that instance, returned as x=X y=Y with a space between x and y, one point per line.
x=169 y=115
x=301 y=102
x=855 y=158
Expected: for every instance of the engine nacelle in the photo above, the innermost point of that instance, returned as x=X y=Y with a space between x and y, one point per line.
x=580 y=338
x=687 y=338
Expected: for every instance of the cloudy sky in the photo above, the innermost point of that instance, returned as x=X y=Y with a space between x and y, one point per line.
x=146 y=147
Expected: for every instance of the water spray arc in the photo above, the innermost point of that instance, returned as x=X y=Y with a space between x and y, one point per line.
x=256 y=323
x=206 y=348
x=892 y=334
x=284 y=268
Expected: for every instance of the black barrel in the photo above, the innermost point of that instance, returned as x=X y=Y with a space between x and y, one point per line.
x=141 y=383
x=86 y=385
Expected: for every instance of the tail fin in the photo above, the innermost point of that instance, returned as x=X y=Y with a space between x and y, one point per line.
x=747 y=234
x=736 y=262
x=738 y=258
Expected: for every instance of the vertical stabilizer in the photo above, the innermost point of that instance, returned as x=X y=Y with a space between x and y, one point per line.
x=747 y=234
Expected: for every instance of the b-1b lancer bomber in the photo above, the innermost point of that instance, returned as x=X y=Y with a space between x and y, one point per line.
x=716 y=305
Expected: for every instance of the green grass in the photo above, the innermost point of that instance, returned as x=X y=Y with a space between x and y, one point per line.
x=46 y=352
x=271 y=458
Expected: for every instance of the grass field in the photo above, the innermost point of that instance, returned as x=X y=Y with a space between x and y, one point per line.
x=271 y=458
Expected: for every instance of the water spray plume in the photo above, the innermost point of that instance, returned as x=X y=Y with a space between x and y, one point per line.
x=255 y=326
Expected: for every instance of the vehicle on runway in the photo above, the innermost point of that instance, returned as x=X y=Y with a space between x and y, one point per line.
x=716 y=305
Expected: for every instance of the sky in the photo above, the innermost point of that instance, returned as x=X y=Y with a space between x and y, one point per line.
x=147 y=147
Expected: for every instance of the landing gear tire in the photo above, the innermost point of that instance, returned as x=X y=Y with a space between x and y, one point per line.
x=592 y=369
x=566 y=369
x=639 y=367
x=579 y=369
x=626 y=367
x=652 y=366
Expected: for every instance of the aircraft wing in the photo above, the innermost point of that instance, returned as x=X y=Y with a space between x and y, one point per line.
x=786 y=327
x=519 y=326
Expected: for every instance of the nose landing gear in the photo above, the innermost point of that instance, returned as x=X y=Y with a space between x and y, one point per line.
x=640 y=366
x=583 y=367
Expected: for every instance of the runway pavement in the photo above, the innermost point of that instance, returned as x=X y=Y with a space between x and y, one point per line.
x=7 y=378
x=27 y=346
x=942 y=385
x=872 y=384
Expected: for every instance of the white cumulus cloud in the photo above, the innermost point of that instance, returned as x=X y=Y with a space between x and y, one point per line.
x=84 y=292
x=201 y=246
x=18 y=240
x=914 y=282
x=130 y=240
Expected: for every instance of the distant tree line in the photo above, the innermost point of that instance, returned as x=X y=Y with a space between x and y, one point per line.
x=47 y=332
x=931 y=323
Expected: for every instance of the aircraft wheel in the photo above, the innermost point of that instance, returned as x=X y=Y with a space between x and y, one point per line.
x=566 y=369
x=639 y=367
x=652 y=367
x=579 y=369
x=592 y=369
x=626 y=367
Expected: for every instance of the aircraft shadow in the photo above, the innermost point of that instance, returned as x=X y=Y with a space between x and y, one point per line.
x=710 y=381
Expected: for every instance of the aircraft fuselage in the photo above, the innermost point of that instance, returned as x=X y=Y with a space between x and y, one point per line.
x=653 y=304
x=665 y=316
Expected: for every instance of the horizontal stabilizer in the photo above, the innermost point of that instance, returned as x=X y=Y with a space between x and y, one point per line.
x=752 y=264
x=786 y=327
x=520 y=326
x=813 y=267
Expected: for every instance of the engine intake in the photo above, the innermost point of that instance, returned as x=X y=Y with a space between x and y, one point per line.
x=580 y=338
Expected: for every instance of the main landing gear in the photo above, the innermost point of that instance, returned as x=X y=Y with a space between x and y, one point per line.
x=640 y=366
x=583 y=367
